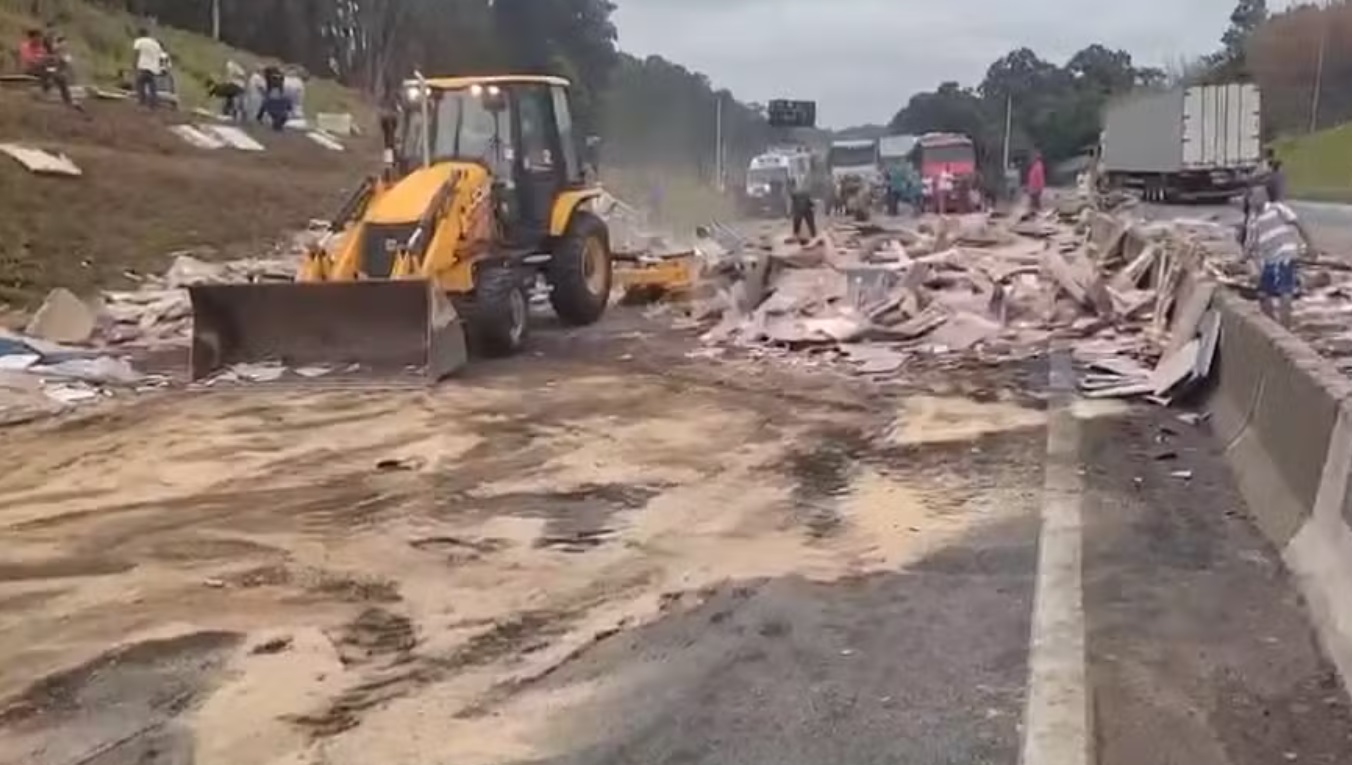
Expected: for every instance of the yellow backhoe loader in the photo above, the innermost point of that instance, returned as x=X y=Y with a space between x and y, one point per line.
x=482 y=194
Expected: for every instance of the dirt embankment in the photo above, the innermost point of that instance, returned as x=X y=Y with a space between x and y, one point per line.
x=145 y=194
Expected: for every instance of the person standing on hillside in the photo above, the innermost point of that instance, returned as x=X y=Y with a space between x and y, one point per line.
x=236 y=80
x=150 y=57
x=293 y=86
x=276 y=106
x=37 y=60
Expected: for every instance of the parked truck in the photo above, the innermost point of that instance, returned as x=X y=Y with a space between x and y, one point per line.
x=1185 y=144
x=770 y=178
x=856 y=177
x=948 y=170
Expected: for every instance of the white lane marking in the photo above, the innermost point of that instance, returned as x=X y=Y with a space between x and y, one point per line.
x=1056 y=718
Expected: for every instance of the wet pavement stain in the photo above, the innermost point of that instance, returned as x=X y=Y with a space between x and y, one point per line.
x=822 y=476
x=575 y=519
x=459 y=550
x=374 y=634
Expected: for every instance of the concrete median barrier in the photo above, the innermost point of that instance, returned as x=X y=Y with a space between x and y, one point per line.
x=1274 y=408
x=1284 y=416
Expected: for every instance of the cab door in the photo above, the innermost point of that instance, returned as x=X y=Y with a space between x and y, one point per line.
x=569 y=141
x=542 y=166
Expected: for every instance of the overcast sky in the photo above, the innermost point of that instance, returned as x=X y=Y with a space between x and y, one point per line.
x=861 y=59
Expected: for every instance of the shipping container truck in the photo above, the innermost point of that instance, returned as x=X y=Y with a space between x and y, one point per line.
x=1185 y=144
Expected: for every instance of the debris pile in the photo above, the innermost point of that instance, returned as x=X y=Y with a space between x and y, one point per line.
x=74 y=352
x=158 y=312
x=38 y=376
x=882 y=297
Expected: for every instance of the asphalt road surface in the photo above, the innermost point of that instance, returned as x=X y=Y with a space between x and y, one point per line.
x=1330 y=224
x=609 y=552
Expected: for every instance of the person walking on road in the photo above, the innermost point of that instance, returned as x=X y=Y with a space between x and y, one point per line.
x=1274 y=238
x=1037 y=182
x=150 y=57
x=802 y=209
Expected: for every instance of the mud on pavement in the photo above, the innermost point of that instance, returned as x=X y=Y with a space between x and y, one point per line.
x=349 y=576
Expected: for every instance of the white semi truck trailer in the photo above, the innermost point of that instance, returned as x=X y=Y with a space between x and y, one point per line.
x=1184 y=144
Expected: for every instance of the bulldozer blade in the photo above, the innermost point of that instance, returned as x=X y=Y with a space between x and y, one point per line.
x=385 y=327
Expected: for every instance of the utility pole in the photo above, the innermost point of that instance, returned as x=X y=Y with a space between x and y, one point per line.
x=216 y=20
x=1319 y=69
x=718 y=143
x=1009 y=129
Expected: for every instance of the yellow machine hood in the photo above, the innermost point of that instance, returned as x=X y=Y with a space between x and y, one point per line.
x=407 y=200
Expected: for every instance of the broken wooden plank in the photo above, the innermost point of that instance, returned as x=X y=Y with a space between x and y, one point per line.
x=1123 y=391
x=1175 y=369
x=1189 y=316
x=1121 y=366
x=1130 y=276
x=1208 y=341
x=915 y=327
x=1060 y=270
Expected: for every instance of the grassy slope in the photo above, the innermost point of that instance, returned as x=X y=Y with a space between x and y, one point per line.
x=145 y=193
x=1319 y=166
x=101 y=44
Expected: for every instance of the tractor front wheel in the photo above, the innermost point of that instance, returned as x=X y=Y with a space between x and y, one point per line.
x=499 y=320
x=580 y=271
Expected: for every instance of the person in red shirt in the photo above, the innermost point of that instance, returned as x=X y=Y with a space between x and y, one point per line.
x=37 y=59
x=32 y=51
x=1037 y=182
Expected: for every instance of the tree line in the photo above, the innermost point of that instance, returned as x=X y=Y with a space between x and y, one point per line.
x=646 y=110
x=1301 y=58
x=1049 y=108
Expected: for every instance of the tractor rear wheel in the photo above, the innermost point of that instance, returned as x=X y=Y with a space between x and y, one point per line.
x=580 y=271
x=499 y=318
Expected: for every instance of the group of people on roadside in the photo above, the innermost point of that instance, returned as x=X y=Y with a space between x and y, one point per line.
x=269 y=93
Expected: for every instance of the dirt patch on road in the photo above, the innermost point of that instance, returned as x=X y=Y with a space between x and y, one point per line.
x=399 y=559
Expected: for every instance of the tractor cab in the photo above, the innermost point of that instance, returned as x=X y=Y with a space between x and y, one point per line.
x=519 y=129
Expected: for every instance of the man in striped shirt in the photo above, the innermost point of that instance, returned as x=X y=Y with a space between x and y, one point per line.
x=1274 y=238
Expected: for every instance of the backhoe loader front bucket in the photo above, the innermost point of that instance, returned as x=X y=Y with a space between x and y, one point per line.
x=395 y=327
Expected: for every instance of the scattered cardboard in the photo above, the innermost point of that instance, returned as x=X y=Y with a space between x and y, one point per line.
x=334 y=123
x=234 y=137
x=325 y=140
x=41 y=162
x=199 y=138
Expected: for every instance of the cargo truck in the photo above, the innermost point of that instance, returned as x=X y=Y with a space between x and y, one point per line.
x=1184 y=144
x=770 y=178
